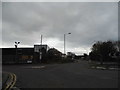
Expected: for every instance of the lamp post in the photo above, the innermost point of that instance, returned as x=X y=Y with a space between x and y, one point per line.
x=65 y=43
x=16 y=45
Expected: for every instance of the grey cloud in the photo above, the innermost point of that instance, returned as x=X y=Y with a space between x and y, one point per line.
x=88 y=22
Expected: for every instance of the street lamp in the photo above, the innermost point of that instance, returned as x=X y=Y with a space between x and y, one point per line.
x=16 y=45
x=65 y=43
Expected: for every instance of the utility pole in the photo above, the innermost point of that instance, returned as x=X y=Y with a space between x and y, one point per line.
x=40 y=50
x=64 y=44
x=41 y=39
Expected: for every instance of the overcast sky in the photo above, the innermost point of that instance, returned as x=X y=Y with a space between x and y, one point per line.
x=87 y=22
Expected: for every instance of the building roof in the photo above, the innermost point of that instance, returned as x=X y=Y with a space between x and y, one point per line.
x=12 y=51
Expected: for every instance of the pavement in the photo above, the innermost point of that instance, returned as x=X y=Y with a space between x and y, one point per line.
x=68 y=75
x=105 y=65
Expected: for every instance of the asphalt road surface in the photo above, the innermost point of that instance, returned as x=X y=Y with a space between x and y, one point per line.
x=69 y=75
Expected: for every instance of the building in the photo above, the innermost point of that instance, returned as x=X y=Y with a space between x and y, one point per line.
x=40 y=52
x=19 y=55
x=24 y=55
x=71 y=55
x=37 y=48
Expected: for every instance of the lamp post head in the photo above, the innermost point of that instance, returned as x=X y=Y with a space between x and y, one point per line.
x=17 y=42
x=69 y=33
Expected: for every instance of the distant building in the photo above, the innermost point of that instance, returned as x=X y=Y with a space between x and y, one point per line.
x=71 y=55
x=64 y=56
x=79 y=57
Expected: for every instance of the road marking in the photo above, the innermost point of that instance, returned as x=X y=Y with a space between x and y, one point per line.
x=35 y=67
x=9 y=83
x=12 y=81
x=38 y=67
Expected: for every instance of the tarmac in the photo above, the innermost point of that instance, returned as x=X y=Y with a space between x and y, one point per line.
x=67 y=75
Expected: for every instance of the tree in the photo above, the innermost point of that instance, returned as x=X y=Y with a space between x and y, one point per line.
x=101 y=51
x=53 y=55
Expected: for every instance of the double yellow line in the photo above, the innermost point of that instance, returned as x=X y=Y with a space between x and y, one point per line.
x=12 y=81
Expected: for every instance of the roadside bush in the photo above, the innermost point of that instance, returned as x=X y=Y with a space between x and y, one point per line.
x=66 y=60
x=101 y=51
